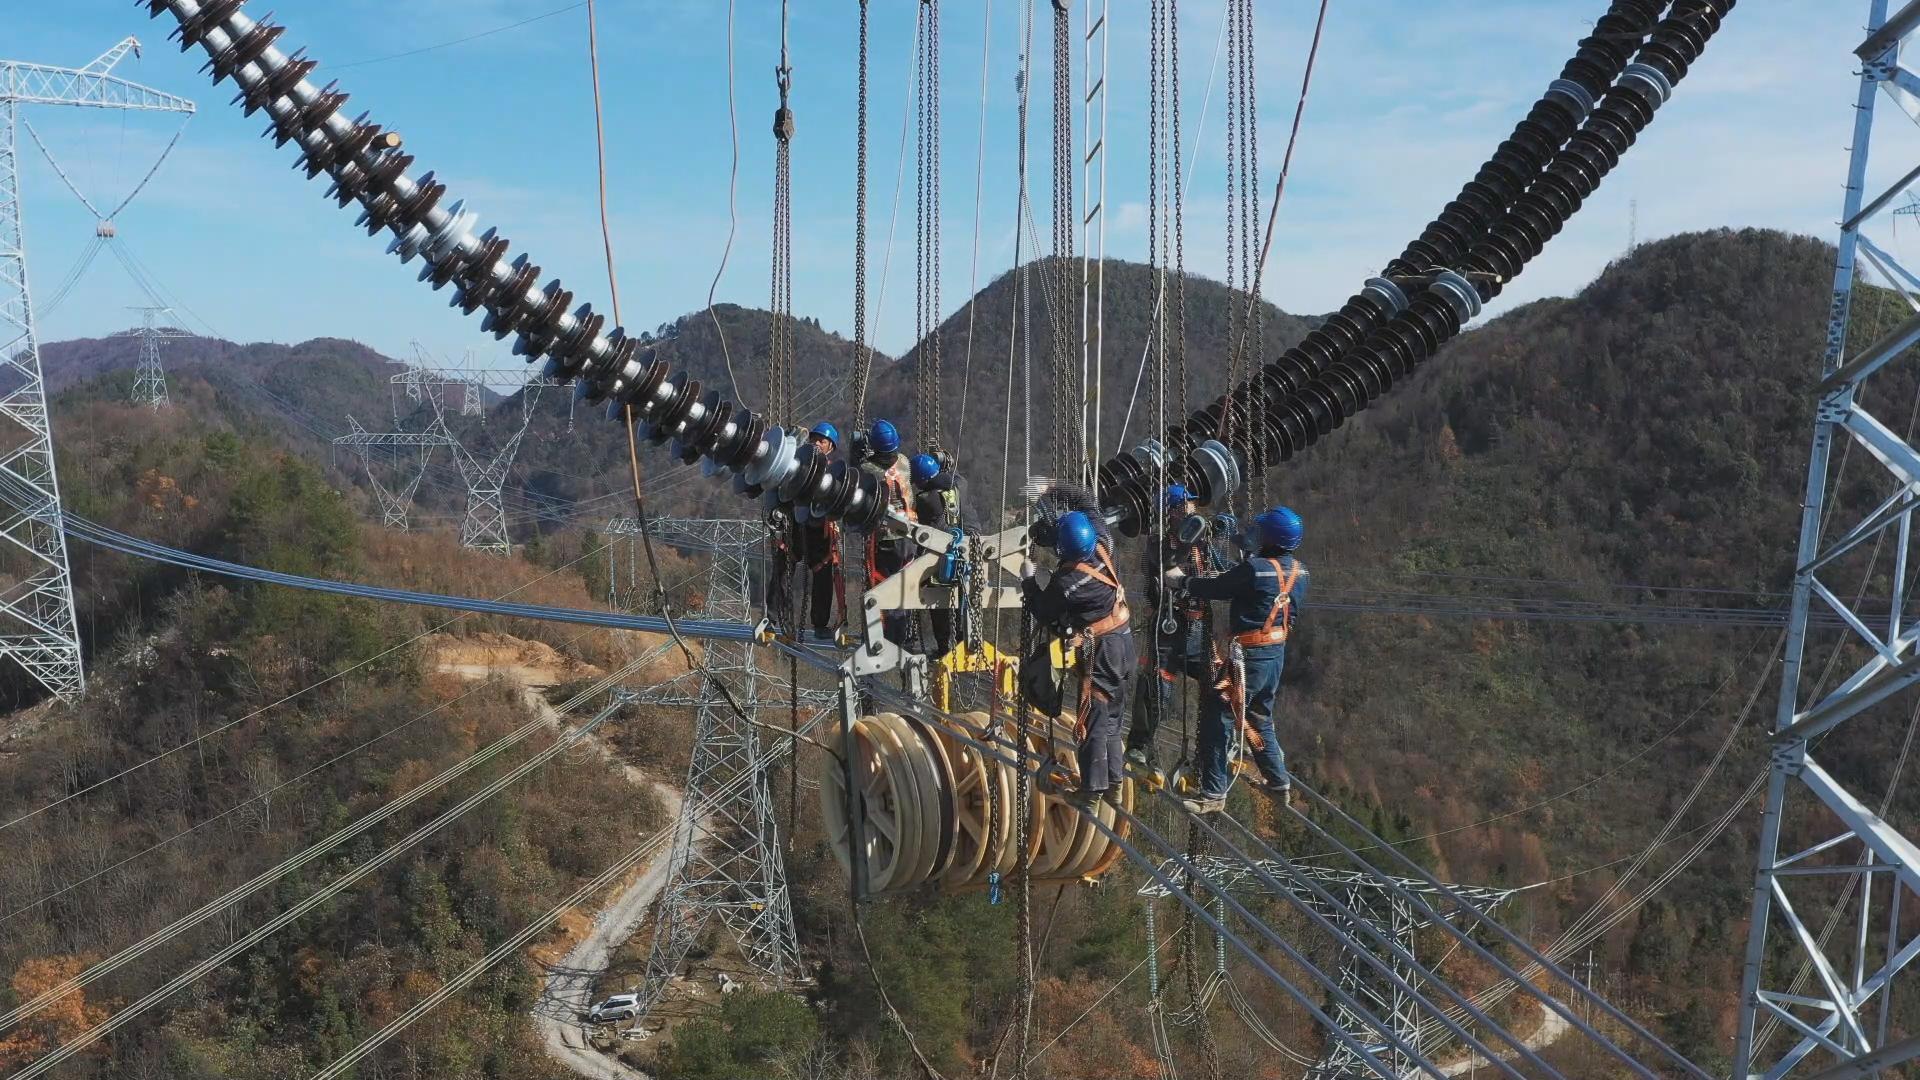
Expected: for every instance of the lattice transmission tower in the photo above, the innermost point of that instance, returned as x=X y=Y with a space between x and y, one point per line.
x=1828 y=948
x=1382 y=904
x=485 y=525
x=726 y=861
x=149 y=377
x=395 y=500
x=37 y=597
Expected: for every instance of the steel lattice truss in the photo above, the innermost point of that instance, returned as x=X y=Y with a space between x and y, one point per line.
x=1833 y=872
x=1368 y=897
x=36 y=587
x=396 y=502
x=726 y=861
x=485 y=525
x=149 y=377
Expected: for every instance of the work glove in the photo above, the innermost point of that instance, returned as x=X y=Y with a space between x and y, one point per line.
x=1027 y=570
x=1174 y=579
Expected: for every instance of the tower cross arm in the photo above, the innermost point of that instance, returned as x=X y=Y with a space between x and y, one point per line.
x=44 y=84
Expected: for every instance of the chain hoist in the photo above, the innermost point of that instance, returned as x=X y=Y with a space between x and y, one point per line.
x=1068 y=394
x=927 y=228
x=862 y=354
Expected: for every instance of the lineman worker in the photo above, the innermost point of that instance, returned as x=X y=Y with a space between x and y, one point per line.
x=1086 y=603
x=1181 y=645
x=1266 y=593
x=936 y=502
x=817 y=547
x=889 y=548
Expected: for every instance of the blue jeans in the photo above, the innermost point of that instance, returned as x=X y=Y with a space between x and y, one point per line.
x=1216 y=724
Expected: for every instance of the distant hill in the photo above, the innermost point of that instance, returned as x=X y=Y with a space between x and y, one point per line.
x=987 y=322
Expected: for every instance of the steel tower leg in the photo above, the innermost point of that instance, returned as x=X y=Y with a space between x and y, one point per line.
x=149 y=378
x=1814 y=1001
x=726 y=861
x=44 y=635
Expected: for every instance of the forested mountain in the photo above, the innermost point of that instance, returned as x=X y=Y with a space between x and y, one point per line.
x=1641 y=439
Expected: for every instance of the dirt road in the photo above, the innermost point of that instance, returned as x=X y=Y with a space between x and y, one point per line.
x=566 y=995
x=1551 y=1027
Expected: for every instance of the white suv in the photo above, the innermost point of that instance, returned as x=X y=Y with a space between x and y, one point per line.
x=618 y=1007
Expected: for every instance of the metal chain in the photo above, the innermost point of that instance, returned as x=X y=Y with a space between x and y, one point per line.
x=1257 y=353
x=1189 y=961
x=853 y=553
x=1156 y=223
x=862 y=355
x=932 y=344
x=927 y=410
x=920 y=212
x=1178 y=176
x=1023 y=833
x=1067 y=391
x=1224 y=425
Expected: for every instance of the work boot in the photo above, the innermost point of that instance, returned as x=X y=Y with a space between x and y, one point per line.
x=1139 y=758
x=1281 y=792
x=1112 y=798
x=1205 y=804
x=1082 y=799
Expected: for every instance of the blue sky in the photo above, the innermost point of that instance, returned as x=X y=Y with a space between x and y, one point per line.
x=1408 y=98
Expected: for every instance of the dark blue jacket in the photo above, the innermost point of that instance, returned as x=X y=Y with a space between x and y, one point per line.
x=1072 y=600
x=1252 y=587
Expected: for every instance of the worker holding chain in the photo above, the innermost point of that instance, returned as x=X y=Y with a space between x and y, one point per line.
x=889 y=548
x=936 y=503
x=817 y=548
x=1265 y=594
x=1181 y=645
x=1085 y=603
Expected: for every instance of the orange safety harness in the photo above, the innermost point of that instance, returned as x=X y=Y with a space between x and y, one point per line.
x=1280 y=616
x=1112 y=622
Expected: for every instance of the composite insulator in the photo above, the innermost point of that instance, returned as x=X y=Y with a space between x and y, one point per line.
x=1518 y=162
x=1397 y=348
x=365 y=166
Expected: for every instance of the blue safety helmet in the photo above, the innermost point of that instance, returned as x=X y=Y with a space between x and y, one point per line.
x=886 y=437
x=1178 y=496
x=925 y=468
x=1280 y=528
x=825 y=430
x=1075 y=537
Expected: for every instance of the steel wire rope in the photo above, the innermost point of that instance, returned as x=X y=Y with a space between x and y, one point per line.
x=235 y=808
x=973 y=262
x=102 y=968
x=530 y=20
x=269 y=792
x=81 y=264
x=646 y=531
x=1584 y=785
x=1109 y=992
x=518 y=941
x=1019 y=757
x=321 y=896
x=960 y=727
x=1185 y=182
x=131 y=769
x=106 y=218
x=1480 y=917
x=733 y=205
x=1595 y=921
